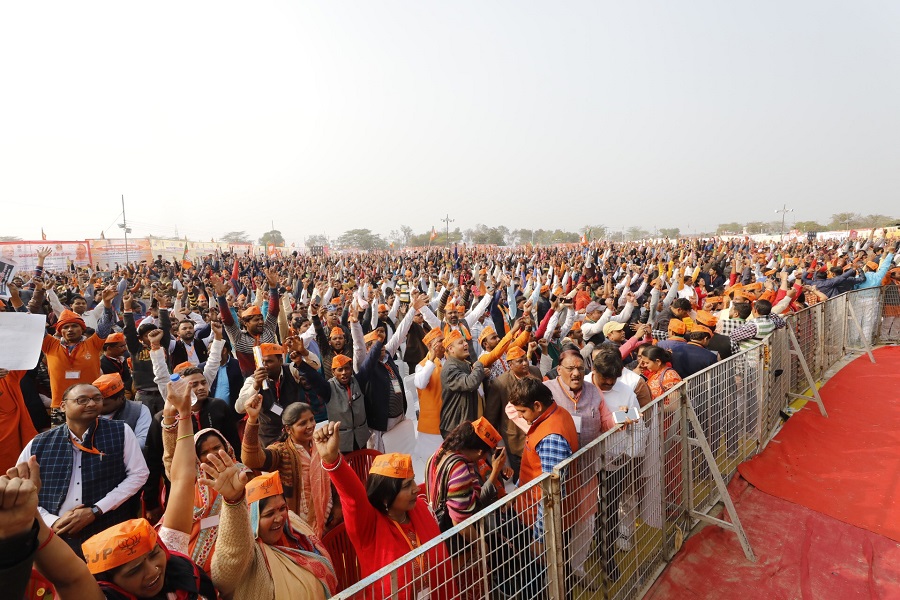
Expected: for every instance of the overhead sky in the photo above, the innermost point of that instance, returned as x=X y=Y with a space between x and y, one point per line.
x=327 y=116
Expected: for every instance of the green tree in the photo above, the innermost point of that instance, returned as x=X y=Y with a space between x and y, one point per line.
x=754 y=227
x=669 y=232
x=732 y=228
x=236 y=237
x=406 y=233
x=482 y=234
x=272 y=237
x=809 y=226
x=874 y=221
x=362 y=239
x=845 y=220
x=636 y=233
x=316 y=239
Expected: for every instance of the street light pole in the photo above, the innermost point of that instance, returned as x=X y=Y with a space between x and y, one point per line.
x=124 y=226
x=447 y=220
x=784 y=211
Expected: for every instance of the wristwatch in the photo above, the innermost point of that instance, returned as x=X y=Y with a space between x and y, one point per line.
x=95 y=510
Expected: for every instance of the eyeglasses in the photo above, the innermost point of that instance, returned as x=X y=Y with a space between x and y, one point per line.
x=579 y=368
x=84 y=400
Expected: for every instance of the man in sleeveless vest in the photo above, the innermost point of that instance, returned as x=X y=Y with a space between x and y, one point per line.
x=113 y=360
x=92 y=469
x=551 y=439
x=187 y=348
x=116 y=407
x=344 y=400
x=283 y=387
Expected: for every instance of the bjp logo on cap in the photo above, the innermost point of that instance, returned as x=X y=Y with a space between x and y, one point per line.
x=130 y=544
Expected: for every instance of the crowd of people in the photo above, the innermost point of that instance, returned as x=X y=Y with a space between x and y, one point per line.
x=186 y=430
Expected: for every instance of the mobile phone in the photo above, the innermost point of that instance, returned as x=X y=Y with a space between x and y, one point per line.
x=621 y=416
x=497 y=452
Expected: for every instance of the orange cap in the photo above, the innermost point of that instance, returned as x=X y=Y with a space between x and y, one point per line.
x=431 y=336
x=515 y=353
x=263 y=487
x=271 y=349
x=68 y=317
x=485 y=334
x=706 y=318
x=382 y=307
x=486 y=432
x=336 y=331
x=109 y=384
x=118 y=545
x=393 y=465
x=461 y=308
x=703 y=329
x=872 y=265
x=115 y=338
x=576 y=326
x=182 y=366
x=339 y=361
x=252 y=311
x=545 y=289
x=677 y=327
x=372 y=336
x=452 y=337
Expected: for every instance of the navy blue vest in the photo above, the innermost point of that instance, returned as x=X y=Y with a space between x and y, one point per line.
x=99 y=474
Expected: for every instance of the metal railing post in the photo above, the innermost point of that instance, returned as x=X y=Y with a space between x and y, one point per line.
x=553 y=537
x=862 y=333
x=798 y=352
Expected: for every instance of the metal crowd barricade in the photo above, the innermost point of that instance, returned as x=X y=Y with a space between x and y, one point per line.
x=496 y=553
x=607 y=520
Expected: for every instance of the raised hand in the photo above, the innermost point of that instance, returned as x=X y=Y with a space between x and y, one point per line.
x=259 y=375
x=224 y=475
x=254 y=407
x=180 y=401
x=219 y=285
x=155 y=337
x=109 y=292
x=19 y=498
x=272 y=277
x=420 y=302
x=327 y=440
x=216 y=327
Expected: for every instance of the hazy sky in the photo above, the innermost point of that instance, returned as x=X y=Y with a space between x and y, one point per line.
x=326 y=116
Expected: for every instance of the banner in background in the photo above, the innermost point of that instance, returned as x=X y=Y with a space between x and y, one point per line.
x=108 y=252
x=24 y=254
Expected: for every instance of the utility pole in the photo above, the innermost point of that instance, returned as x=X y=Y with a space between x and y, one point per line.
x=447 y=220
x=124 y=225
x=784 y=211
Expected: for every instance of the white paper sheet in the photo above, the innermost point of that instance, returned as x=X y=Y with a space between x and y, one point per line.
x=21 y=336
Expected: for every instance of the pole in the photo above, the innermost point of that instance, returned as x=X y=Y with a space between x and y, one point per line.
x=125 y=228
x=784 y=211
x=447 y=220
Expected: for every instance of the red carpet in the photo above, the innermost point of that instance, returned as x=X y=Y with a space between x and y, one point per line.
x=800 y=554
x=848 y=465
